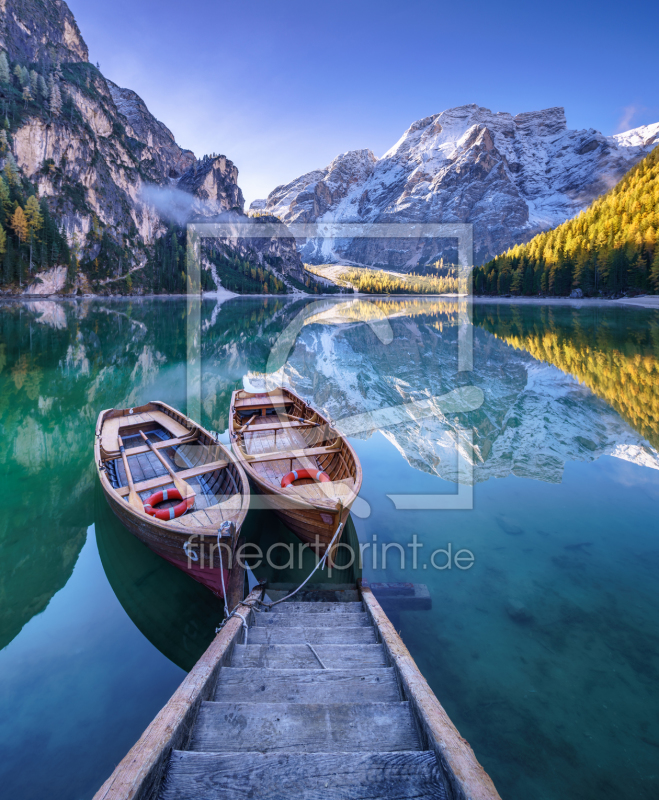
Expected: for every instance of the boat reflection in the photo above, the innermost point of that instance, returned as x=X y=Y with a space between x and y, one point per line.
x=178 y=615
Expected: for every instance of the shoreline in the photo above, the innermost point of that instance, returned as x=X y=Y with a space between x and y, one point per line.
x=641 y=301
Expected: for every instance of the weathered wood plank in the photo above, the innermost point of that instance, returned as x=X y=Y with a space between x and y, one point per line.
x=304 y=727
x=139 y=774
x=318 y=776
x=311 y=620
x=465 y=777
x=318 y=608
x=134 y=451
x=314 y=593
x=295 y=455
x=307 y=686
x=339 y=634
x=299 y=656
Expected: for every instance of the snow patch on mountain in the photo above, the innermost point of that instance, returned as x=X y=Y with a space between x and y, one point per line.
x=510 y=176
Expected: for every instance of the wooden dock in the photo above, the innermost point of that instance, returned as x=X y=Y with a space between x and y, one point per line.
x=323 y=700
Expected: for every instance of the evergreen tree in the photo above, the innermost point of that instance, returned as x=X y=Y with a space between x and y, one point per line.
x=42 y=87
x=11 y=170
x=5 y=75
x=3 y=241
x=654 y=272
x=34 y=82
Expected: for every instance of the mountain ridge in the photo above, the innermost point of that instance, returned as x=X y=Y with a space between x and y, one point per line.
x=511 y=176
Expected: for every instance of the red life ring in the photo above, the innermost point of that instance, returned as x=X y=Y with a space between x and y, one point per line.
x=168 y=513
x=297 y=474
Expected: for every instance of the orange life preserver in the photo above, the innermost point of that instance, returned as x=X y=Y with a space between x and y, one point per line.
x=319 y=475
x=168 y=513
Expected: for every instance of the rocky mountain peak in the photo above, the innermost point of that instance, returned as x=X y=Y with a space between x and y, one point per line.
x=510 y=176
x=214 y=181
x=144 y=127
x=113 y=176
x=549 y=122
x=34 y=31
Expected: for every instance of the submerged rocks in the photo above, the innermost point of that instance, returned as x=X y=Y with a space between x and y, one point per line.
x=507 y=525
x=518 y=612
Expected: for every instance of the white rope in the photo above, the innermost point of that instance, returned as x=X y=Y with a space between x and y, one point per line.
x=253 y=609
x=224 y=591
x=320 y=564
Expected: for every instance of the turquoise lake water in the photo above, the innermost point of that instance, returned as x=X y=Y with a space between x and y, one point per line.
x=545 y=652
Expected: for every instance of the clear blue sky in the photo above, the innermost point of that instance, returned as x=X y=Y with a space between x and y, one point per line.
x=283 y=87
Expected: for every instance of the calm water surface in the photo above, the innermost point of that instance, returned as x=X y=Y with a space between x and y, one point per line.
x=545 y=653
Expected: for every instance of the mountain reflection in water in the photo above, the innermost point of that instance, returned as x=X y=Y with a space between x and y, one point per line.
x=542 y=408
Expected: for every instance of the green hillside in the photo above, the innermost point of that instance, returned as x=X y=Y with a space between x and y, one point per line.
x=608 y=249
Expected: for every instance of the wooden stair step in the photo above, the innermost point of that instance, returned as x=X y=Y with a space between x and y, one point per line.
x=300 y=656
x=296 y=619
x=307 y=685
x=277 y=591
x=319 y=608
x=333 y=635
x=299 y=776
x=305 y=727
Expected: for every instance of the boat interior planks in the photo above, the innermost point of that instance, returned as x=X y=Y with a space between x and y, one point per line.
x=275 y=434
x=352 y=718
x=163 y=448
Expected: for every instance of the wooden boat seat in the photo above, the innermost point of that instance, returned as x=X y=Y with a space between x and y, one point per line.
x=323 y=492
x=112 y=427
x=281 y=455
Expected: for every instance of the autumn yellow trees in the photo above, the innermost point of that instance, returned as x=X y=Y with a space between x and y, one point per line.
x=374 y=281
x=609 y=248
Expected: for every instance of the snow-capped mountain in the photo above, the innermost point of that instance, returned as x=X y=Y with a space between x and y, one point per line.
x=511 y=176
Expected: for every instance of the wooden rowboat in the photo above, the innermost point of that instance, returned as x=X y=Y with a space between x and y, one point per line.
x=276 y=433
x=141 y=451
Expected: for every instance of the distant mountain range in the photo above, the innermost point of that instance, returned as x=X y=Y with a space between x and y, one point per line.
x=511 y=176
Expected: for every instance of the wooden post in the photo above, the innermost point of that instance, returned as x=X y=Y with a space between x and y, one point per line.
x=465 y=778
x=139 y=775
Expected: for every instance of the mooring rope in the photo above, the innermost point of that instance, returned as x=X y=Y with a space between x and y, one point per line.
x=251 y=606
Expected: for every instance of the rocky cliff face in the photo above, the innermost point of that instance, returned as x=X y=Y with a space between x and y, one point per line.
x=97 y=153
x=34 y=31
x=510 y=176
x=171 y=160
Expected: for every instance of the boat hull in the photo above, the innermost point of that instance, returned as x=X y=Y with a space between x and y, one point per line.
x=170 y=546
x=190 y=545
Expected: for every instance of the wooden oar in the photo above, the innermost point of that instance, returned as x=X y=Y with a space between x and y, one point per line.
x=244 y=427
x=184 y=488
x=301 y=419
x=133 y=497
